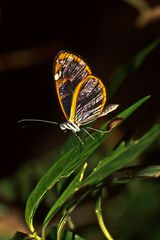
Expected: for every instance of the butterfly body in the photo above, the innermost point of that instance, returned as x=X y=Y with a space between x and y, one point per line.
x=70 y=126
x=82 y=96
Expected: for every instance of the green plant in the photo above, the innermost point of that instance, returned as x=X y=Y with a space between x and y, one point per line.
x=107 y=172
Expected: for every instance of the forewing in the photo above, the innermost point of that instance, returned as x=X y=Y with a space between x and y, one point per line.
x=88 y=100
x=69 y=70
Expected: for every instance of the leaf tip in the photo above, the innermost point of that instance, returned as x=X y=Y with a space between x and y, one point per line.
x=148 y=96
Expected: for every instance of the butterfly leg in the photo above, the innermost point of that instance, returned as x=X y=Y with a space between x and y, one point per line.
x=88 y=133
x=78 y=137
x=97 y=130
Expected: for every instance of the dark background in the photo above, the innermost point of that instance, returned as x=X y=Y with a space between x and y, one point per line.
x=106 y=33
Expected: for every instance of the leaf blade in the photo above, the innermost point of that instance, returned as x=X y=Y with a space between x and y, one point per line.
x=130 y=67
x=122 y=157
x=72 y=159
x=136 y=172
x=72 y=188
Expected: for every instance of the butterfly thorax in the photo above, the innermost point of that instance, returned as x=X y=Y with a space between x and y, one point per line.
x=70 y=126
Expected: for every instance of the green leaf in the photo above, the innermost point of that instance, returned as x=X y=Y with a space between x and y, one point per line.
x=122 y=156
x=74 y=156
x=75 y=183
x=136 y=172
x=148 y=172
x=71 y=189
x=130 y=67
x=126 y=113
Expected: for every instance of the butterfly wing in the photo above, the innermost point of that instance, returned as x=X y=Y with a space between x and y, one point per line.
x=88 y=102
x=69 y=70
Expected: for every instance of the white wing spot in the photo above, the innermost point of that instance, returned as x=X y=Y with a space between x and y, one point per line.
x=57 y=75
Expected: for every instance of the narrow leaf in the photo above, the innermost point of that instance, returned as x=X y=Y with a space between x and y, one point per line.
x=69 y=162
x=122 y=156
x=126 y=113
x=130 y=67
x=136 y=172
x=70 y=190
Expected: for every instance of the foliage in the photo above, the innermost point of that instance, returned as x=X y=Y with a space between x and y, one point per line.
x=74 y=160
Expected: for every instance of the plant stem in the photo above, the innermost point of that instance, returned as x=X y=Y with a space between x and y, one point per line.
x=44 y=232
x=98 y=211
x=71 y=223
x=103 y=227
x=34 y=236
x=61 y=226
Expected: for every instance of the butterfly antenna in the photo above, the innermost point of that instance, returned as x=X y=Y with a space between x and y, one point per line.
x=97 y=130
x=38 y=121
x=88 y=133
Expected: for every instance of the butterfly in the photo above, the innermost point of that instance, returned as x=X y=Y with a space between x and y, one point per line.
x=82 y=96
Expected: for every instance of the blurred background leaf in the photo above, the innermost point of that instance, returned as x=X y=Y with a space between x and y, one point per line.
x=130 y=67
x=31 y=35
x=19 y=236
